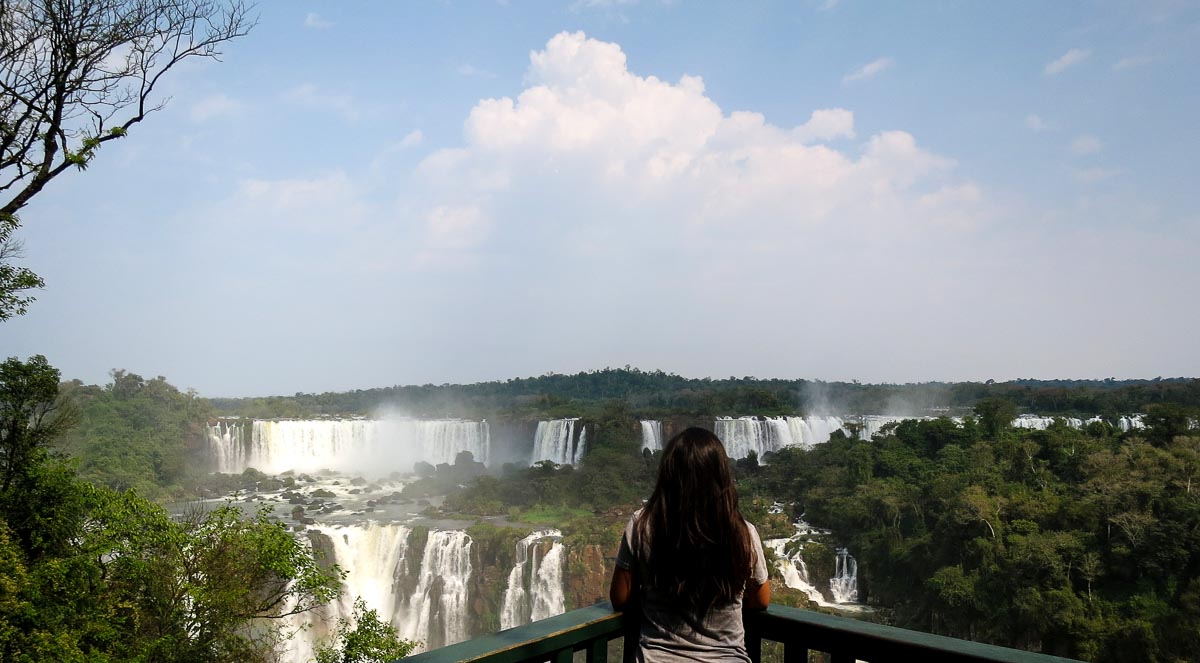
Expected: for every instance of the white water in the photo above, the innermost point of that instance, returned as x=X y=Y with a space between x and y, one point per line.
x=1129 y=423
x=652 y=435
x=795 y=571
x=438 y=619
x=555 y=440
x=761 y=435
x=378 y=446
x=843 y=586
x=844 y=583
x=374 y=558
x=535 y=584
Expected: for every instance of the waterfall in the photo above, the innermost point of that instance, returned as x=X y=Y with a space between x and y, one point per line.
x=794 y=571
x=1034 y=422
x=375 y=559
x=843 y=586
x=652 y=435
x=372 y=555
x=436 y=612
x=535 y=584
x=746 y=434
x=345 y=444
x=547 y=593
x=227 y=446
x=555 y=440
x=1129 y=423
x=761 y=435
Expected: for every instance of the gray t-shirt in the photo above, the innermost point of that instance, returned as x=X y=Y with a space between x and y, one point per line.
x=671 y=637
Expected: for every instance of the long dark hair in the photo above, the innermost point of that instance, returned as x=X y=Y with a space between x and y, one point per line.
x=699 y=546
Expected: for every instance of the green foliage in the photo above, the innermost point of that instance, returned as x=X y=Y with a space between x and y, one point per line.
x=138 y=433
x=15 y=281
x=89 y=574
x=1076 y=543
x=364 y=638
x=658 y=394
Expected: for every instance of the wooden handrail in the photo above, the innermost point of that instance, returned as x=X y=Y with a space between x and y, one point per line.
x=590 y=629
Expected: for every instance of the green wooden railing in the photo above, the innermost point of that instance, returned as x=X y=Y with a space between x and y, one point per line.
x=591 y=629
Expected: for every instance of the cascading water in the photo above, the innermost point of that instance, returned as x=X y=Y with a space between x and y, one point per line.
x=436 y=612
x=746 y=434
x=844 y=583
x=555 y=440
x=227 y=442
x=535 y=584
x=347 y=444
x=1034 y=422
x=1129 y=423
x=794 y=570
x=812 y=430
x=652 y=435
x=372 y=555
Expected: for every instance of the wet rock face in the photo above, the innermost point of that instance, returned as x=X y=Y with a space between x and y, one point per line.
x=588 y=575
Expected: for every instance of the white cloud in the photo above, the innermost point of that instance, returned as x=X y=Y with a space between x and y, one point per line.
x=310 y=96
x=826 y=124
x=1067 y=60
x=412 y=138
x=215 y=105
x=1086 y=144
x=660 y=159
x=869 y=70
x=314 y=21
x=1036 y=123
x=1132 y=62
x=829 y=5
x=457 y=227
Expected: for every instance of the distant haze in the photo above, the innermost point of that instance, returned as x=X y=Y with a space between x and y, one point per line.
x=438 y=193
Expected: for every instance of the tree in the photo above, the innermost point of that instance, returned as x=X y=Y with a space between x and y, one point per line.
x=89 y=574
x=14 y=280
x=365 y=638
x=995 y=415
x=75 y=74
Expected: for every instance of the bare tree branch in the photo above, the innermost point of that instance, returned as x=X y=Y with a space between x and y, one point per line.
x=76 y=74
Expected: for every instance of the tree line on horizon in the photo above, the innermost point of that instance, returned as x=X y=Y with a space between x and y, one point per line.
x=657 y=393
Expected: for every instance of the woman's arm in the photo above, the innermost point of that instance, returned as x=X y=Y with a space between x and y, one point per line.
x=621 y=588
x=757 y=598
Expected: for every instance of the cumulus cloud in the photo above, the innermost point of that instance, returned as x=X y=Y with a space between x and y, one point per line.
x=620 y=154
x=869 y=70
x=1086 y=144
x=314 y=21
x=826 y=124
x=1067 y=60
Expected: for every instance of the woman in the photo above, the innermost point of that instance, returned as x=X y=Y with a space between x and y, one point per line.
x=690 y=560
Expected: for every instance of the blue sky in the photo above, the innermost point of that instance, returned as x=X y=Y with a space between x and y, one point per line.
x=366 y=194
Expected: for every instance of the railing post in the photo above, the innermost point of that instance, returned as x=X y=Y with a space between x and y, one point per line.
x=753 y=637
x=597 y=651
x=794 y=653
x=633 y=635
